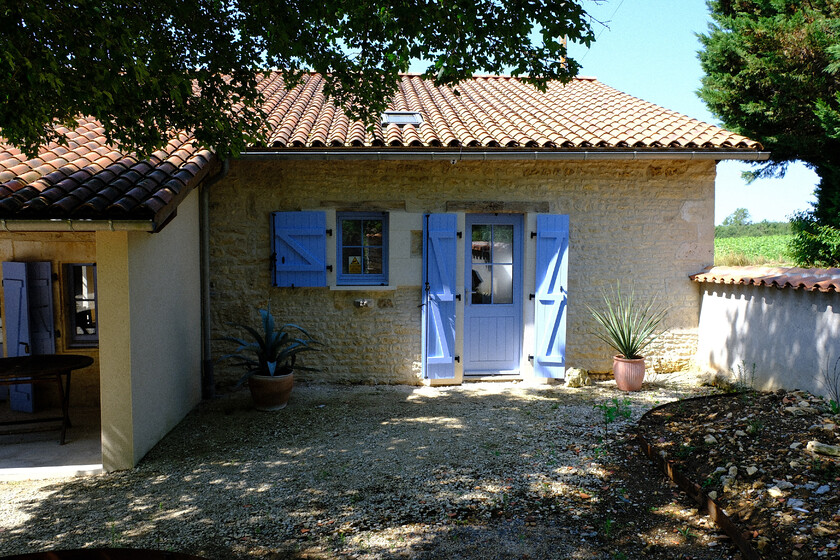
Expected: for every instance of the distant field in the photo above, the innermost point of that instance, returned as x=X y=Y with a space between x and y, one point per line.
x=743 y=251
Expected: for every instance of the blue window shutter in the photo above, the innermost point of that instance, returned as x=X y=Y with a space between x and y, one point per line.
x=439 y=258
x=41 y=328
x=27 y=294
x=551 y=297
x=299 y=249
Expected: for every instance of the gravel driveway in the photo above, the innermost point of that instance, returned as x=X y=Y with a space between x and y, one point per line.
x=483 y=470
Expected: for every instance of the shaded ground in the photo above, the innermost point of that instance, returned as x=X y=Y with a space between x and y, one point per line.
x=750 y=452
x=480 y=471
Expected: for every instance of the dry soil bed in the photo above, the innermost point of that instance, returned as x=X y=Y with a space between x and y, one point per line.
x=749 y=451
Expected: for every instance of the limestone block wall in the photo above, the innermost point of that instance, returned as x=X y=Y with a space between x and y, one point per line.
x=645 y=224
x=58 y=248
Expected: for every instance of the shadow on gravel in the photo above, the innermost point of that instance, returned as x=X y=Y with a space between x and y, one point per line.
x=485 y=471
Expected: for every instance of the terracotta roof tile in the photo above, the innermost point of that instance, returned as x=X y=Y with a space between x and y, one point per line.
x=491 y=111
x=822 y=279
x=89 y=178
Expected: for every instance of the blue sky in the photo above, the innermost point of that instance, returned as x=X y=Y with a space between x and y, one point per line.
x=649 y=50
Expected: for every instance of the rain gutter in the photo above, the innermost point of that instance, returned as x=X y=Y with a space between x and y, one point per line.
x=208 y=382
x=77 y=225
x=455 y=155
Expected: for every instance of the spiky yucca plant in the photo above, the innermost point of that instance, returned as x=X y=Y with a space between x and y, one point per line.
x=270 y=352
x=628 y=325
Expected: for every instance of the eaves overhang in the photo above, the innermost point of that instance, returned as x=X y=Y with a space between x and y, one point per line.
x=62 y=225
x=457 y=154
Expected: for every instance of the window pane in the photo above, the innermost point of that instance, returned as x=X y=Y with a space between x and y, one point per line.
x=481 y=235
x=503 y=284
x=373 y=232
x=83 y=303
x=481 y=281
x=351 y=232
x=78 y=275
x=503 y=244
x=85 y=317
x=373 y=260
x=351 y=261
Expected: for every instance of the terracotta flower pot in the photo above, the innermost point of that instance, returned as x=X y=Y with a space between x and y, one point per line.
x=629 y=373
x=271 y=392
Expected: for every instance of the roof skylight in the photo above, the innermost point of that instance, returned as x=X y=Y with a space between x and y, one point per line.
x=402 y=118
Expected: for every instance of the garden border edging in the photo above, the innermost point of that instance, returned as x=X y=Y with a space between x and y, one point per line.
x=694 y=490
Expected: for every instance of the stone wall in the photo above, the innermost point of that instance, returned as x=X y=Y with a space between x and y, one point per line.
x=771 y=338
x=59 y=249
x=645 y=224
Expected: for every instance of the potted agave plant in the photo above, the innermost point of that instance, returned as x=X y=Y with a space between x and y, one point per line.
x=269 y=359
x=628 y=327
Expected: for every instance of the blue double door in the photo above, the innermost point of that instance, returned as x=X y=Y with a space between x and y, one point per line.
x=493 y=299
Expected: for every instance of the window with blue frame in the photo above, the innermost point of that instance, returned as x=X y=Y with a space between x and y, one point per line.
x=362 y=250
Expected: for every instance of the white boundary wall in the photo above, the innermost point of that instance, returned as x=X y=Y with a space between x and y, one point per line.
x=790 y=335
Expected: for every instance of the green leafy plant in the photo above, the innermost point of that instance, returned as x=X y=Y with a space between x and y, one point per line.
x=628 y=324
x=686 y=533
x=743 y=378
x=685 y=451
x=830 y=380
x=608 y=528
x=612 y=409
x=755 y=427
x=272 y=350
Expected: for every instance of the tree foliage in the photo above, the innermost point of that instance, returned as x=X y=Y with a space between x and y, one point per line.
x=758 y=229
x=772 y=72
x=146 y=68
x=814 y=244
x=740 y=217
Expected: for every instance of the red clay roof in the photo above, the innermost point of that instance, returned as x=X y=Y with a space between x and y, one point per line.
x=491 y=112
x=822 y=279
x=89 y=179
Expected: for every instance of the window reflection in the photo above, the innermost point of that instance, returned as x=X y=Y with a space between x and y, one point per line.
x=83 y=319
x=492 y=270
x=503 y=283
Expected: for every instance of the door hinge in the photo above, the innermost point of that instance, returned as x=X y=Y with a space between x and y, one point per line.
x=458 y=359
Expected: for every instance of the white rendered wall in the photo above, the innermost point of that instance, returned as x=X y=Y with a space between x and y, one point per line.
x=791 y=336
x=150 y=334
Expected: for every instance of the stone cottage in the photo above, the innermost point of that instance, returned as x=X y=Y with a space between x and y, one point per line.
x=462 y=237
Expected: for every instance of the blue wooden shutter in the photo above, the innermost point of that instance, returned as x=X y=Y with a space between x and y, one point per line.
x=551 y=297
x=39 y=291
x=16 y=300
x=439 y=258
x=299 y=249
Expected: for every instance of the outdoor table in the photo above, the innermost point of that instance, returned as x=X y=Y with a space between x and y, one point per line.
x=44 y=368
